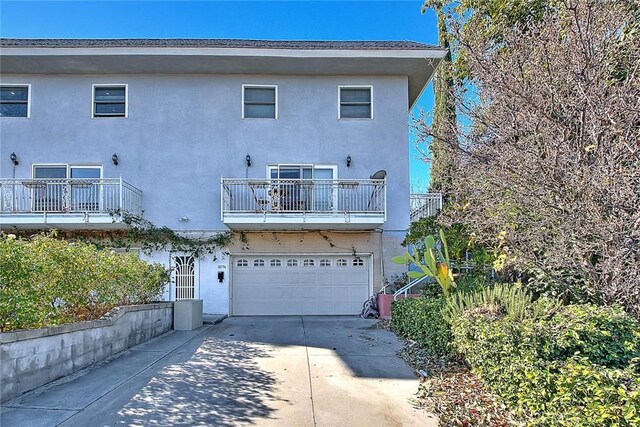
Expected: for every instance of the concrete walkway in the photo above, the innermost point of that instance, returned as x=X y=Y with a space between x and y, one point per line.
x=293 y=371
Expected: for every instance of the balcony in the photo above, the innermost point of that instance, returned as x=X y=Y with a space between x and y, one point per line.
x=67 y=203
x=424 y=205
x=303 y=204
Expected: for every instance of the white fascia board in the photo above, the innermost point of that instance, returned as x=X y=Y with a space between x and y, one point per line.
x=239 y=52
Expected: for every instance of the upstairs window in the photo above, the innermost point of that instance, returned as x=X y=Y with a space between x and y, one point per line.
x=259 y=102
x=109 y=100
x=14 y=101
x=355 y=102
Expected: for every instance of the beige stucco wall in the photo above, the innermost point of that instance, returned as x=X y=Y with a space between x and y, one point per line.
x=381 y=245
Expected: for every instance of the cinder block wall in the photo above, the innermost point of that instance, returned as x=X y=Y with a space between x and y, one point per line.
x=32 y=358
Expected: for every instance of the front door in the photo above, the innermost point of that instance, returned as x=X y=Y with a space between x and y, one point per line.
x=185 y=277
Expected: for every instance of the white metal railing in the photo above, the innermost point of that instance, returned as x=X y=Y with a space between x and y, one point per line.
x=273 y=196
x=424 y=205
x=77 y=195
x=405 y=289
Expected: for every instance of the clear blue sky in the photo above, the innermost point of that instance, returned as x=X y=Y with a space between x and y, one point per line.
x=301 y=20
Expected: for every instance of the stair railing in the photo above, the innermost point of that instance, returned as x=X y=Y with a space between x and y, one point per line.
x=405 y=289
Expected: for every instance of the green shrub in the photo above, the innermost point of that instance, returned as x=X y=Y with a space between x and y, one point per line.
x=500 y=300
x=586 y=394
x=566 y=286
x=46 y=281
x=572 y=366
x=420 y=319
x=604 y=335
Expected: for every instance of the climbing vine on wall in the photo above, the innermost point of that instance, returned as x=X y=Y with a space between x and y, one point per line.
x=147 y=237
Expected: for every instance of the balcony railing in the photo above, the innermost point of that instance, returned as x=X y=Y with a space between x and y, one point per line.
x=68 y=196
x=303 y=198
x=424 y=205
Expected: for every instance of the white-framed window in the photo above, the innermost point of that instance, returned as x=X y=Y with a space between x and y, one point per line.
x=242 y=263
x=355 y=102
x=258 y=262
x=67 y=170
x=324 y=262
x=358 y=262
x=109 y=100
x=259 y=101
x=275 y=263
x=15 y=100
x=341 y=262
x=292 y=263
x=308 y=263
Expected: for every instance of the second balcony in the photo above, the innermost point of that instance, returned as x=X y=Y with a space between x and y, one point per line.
x=303 y=204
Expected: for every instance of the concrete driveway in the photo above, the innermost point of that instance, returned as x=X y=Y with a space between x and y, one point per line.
x=293 y=371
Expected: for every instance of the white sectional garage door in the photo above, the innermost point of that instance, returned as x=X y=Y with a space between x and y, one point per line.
x=299 y=284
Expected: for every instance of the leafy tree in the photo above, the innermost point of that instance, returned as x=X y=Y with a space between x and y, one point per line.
x=548 y=159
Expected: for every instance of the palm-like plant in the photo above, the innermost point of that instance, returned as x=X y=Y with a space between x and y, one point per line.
x=432 y=262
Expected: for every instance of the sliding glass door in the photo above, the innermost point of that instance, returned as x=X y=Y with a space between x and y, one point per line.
x=303 y=187
x=85 y=189
x=49 y=195
x=63 y=188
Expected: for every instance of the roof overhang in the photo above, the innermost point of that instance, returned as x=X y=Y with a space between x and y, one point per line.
x=417 y=64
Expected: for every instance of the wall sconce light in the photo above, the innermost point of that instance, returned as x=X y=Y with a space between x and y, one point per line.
x=183 y=219
x=349 y=160
x=14 y=159
x=114 y=159
x=248 y=159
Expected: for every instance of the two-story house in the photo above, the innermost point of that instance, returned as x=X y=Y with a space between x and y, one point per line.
x=300 y=148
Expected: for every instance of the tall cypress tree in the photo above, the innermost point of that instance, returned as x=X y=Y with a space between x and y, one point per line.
x=443 y=131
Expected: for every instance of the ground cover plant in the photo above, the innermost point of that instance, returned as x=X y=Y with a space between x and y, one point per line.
x=47 y=281
x=553 y=365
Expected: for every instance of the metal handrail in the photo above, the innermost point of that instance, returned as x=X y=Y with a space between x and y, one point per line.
x=424 y=205
x=308 y=196
x=405 y=289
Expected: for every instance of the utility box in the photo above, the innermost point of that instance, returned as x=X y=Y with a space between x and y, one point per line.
x=187 y=314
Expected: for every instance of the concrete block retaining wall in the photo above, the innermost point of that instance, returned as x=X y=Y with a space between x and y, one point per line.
x=32 y=358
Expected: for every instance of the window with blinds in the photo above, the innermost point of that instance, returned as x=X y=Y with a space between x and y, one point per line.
x=110 y=101
x=355 y=102
x=14 y=101
x=259 y=102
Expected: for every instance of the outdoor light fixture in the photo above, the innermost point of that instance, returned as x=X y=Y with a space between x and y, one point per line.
x=349 y=160
x=14 y=159
x=114 y=159
x=248 y=159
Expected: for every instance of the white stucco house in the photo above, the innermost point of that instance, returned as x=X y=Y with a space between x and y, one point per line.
x=300 y=148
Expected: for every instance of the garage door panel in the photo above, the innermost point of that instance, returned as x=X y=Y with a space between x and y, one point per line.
x=298 y=285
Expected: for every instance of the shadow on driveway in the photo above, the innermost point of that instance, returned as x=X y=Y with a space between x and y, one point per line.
x=303 y=371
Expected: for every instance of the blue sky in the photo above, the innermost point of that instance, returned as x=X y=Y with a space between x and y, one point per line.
x=302 y=20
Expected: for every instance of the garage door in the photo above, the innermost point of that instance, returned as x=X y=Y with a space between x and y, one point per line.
x=299 y=284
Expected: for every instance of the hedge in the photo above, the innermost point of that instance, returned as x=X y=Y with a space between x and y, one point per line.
x=575 y=367
x=46 y=281
x=420 y=319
